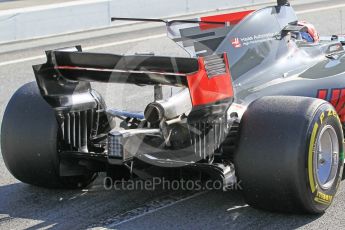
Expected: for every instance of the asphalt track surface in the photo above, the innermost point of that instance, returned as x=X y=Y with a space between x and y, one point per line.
x=23 y=206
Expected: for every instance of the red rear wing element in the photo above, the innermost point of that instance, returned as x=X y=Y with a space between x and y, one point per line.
x=208 y=78
x=212 y=82
x=231 y=18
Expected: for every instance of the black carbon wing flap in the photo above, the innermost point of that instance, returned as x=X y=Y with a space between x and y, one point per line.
x=131 y=69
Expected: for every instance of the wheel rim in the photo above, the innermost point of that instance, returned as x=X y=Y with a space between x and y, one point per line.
x=326 y=161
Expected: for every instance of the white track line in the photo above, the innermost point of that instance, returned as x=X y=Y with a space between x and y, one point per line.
x=21 y=60
x=106 y=45
x=115 y=224
x=48 y=7
x=237 y=207
x=320 y=9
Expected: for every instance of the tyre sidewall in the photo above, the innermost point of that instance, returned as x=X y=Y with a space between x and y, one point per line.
x=318 y=199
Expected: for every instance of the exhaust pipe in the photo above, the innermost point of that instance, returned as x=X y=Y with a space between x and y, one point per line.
x=180 y=103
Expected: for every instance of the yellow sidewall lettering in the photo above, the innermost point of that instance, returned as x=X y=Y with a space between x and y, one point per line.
x=321 y=201
x=324 y=198
x=311 y=156
x=320 y=197
x=322 y=117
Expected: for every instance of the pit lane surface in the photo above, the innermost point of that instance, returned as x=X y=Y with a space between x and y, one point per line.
x=24 y=206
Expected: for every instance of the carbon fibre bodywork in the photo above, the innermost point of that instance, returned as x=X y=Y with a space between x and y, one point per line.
x=235 y=59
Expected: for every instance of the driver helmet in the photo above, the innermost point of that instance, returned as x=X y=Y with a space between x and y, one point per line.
x=311 y=35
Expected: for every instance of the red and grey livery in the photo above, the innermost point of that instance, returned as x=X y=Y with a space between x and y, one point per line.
x=256 y=104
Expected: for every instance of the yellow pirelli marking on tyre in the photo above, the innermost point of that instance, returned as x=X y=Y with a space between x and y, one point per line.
x=331 y=112
x=323 y=198
x=322 y=117
x=310 y=159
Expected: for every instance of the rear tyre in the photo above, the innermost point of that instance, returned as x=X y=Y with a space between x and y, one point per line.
x=29 y=136
x=290 y=156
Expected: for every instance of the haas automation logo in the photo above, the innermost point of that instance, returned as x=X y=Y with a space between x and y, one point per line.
x=236 y=43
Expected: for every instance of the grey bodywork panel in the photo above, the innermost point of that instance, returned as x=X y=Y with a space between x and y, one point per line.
x=269 y=62
x=264 y=56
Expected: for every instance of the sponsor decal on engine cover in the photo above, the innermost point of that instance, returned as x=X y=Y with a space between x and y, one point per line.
x=236 y=43
x=254 y=39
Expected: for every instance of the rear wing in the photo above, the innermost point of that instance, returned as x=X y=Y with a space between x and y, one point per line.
x=130 y=69
x=245 y=41
x=68 y=74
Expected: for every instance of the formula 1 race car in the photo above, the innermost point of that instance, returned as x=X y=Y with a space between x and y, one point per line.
x=256 y=103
